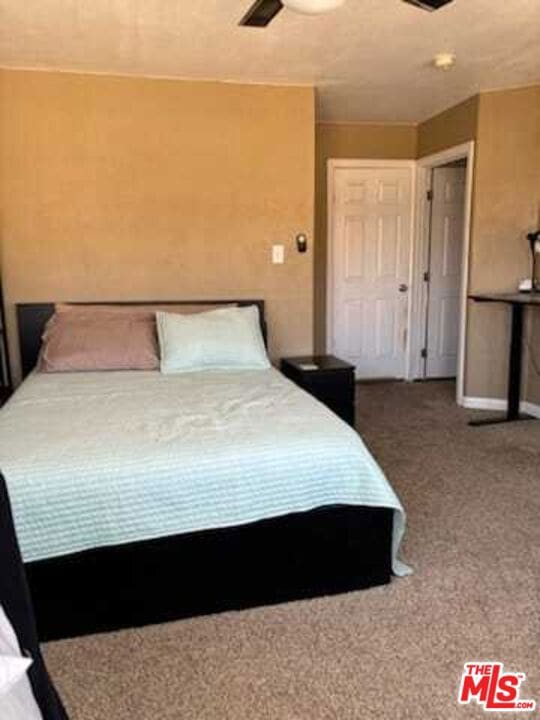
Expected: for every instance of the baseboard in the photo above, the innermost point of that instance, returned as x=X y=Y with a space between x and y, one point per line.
x=479 y=403
x=530 y=409
x=498 y=404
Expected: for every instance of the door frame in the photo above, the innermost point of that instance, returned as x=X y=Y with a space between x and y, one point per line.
x=337 y=164
x=419 y=295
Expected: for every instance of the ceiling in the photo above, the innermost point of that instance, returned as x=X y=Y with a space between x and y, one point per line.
x=370 y=60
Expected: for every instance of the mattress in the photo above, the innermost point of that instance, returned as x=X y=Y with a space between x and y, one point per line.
x=98 y=459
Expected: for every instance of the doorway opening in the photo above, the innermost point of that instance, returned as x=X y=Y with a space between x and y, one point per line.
x=443 y=275
x=441 y=269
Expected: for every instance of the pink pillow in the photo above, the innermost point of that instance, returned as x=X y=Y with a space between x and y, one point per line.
x=104 y=340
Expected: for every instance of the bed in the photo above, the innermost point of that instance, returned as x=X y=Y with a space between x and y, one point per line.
x=140 y=498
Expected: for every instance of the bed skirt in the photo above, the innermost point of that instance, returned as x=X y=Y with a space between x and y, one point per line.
x=303 y=555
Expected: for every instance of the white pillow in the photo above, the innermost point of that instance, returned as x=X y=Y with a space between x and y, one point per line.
x=17 y=701
x=225 y=339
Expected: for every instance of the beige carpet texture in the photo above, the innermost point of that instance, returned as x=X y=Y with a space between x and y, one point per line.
x=473 y=501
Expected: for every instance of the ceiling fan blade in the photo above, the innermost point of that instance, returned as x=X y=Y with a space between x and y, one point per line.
x=261 y=13
x=429 y=4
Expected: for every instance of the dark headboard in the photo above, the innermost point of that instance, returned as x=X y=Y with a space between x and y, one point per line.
x=32 y=317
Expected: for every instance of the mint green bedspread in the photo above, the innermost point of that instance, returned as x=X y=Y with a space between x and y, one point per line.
x=96 y=459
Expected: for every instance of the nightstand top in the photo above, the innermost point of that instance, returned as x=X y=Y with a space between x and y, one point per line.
x=323 y=362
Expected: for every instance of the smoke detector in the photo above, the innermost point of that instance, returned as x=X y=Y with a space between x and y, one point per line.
x=444 y=61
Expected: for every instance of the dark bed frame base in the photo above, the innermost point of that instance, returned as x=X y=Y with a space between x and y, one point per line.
x=302 y=555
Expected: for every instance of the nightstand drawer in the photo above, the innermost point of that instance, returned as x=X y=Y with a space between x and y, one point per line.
x=330 y=385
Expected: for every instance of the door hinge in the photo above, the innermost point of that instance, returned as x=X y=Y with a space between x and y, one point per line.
x=429 y=195
x=426 y=276
x=423 y=353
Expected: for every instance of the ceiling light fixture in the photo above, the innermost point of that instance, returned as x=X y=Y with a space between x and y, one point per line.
x=444 y=61
x=312 y=7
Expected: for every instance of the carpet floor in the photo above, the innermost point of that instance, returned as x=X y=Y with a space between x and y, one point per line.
x=473 y=502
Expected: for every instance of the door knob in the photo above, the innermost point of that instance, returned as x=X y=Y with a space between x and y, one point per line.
x=403 y=287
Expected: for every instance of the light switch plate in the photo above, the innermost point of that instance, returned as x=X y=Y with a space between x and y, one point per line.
x=278 y=254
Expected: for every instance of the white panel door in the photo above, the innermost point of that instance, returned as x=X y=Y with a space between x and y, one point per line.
x=446 y=248
x=371 y=221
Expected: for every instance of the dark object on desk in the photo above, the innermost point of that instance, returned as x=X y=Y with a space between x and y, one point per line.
x=518 y=302
x=327 y=378
x=15 y=600
x=534 y=241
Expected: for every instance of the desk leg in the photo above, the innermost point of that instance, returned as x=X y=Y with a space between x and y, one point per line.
x=514 y=373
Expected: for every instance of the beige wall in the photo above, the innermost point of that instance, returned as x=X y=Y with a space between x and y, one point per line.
x=117 y=188
x=506 y=207
x=123 y=188
x=452 y=127
x=348 y=141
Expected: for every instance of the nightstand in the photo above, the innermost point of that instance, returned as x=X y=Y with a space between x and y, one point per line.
x=327 y=378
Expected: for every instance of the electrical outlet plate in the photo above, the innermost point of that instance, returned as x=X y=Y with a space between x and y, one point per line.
x=278 y=254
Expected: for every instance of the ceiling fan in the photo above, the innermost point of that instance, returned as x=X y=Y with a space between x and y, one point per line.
x=263 y=12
